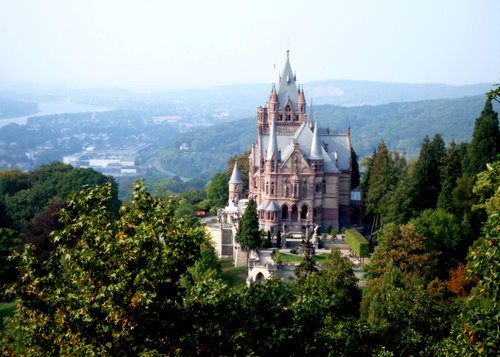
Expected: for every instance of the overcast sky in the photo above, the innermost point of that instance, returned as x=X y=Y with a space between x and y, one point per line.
x=187 y=43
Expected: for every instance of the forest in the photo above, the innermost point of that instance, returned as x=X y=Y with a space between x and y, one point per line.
x=91 y=275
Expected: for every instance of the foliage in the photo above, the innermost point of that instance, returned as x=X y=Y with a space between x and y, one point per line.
x=37 y=189
x=9 y=241
x=248 y=235
x=426 y=174
x=476 y=331
x=485 y=144
x=306 y=267
x=357 y=242
x=355 y=176
x=405 y=247
x=407 y=317
x=218 y=191
x=383 y=172
x=444 y=235
x=109 y=285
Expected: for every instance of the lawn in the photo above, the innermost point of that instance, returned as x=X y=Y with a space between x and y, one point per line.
x=289 y=258
x=233 y=276
x=6 y=309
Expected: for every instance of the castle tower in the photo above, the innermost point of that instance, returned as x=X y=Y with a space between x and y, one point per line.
x=299 y=173
x=235 y=185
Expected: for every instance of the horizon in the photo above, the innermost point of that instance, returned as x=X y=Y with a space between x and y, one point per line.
x=197 y=45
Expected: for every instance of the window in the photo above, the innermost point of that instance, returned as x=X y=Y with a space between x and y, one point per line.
x=272 y=188
x=284 y=212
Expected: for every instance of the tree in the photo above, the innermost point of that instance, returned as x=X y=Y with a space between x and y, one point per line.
x=444 y=235
x=355 y=177
x=218 y=191
x=485 y=142
x=405 y=247
x=476 y=329
x=383 y=174
x=408 y=316
x=109 y=286
x=426 y=175
x=306 y=267
x=248 y=234
x=9 y=241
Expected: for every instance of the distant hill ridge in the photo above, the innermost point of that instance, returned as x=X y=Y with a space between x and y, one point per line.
x=243 y=99
x=402 y=126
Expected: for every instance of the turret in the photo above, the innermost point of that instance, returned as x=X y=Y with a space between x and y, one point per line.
x=235 y=185
x=316 y=153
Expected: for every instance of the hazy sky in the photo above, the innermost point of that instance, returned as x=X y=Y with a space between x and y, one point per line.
x=187 y=43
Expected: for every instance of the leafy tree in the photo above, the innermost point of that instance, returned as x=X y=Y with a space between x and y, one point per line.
x=248 y=234
x=306 y=267
x=444 y=235
x=476 y=330
x=9 y=241
x=408 y=317
x=485 y=142
x=405 y=247
x=218 y=191
x=13 y=181
x=51 y=182
x=109 y=286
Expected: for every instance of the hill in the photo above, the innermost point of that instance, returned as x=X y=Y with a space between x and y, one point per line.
x=401 y=125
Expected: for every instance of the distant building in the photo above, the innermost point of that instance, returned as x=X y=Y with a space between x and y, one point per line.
x=118 y=161
x=300 y=174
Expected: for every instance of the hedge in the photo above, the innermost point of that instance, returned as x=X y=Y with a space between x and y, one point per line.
x=357 y=242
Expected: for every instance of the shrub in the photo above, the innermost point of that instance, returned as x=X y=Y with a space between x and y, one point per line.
x=357 y=242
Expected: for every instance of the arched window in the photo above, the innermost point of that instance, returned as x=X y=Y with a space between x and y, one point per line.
x=295 y=213
x=303 y=212
x=284 y=212
x=267 y=187
x=272 y=188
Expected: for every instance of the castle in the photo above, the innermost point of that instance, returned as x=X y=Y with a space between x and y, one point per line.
x=300 y=174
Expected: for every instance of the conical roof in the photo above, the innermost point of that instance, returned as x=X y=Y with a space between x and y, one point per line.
x=272 y=148
x=235 y=176
x=316 y=153
x=287 y=87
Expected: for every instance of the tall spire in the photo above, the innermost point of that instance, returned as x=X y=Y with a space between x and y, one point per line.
x=235 y=176
x=287 y=87
x=311 y=114
x=316 y=153
x=272 y=148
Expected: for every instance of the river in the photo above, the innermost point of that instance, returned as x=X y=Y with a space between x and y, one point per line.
x=58 y=107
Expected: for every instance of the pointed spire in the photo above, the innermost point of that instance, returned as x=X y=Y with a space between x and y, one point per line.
x=235 y=176
x=272 y=148
x=287 y=86
x=316 y=153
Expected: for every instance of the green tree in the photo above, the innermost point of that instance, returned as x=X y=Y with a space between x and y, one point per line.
x=408 y=317
x=355 y=176
x=218 y=191
x=426 y=174
x=476 y=331
x=248 y=234
x=444 y=235
x=405 y=247
x=383 y=174
x=306 y=267
x=109 y=286
x=9 y=241
x=485 y=144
